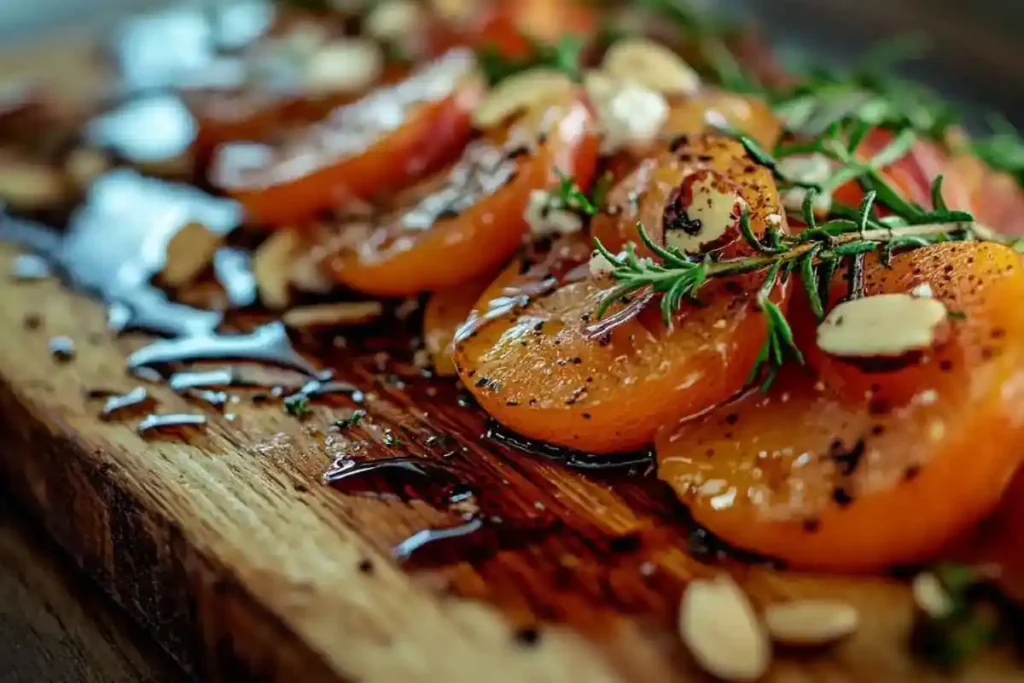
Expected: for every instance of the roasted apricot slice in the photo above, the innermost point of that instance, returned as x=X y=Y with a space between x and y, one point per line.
x=821 y=476
x=446 y=311
x=381 y=143
x=467 y=221
x=230 y=115
x=539 y=360
x=714 y=107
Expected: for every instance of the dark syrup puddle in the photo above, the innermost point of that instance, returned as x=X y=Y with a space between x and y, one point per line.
x=483 y=529
x=115 y=244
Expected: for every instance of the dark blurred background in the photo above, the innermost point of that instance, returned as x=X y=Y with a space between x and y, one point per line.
x=976 y=46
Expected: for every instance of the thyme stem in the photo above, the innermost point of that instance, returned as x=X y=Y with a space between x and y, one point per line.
x=746 y=264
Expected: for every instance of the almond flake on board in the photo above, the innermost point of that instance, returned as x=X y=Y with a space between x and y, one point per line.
x=272 y=266
x=189 y=252
x=332 y=315
x=720 y=627
x=810 y=622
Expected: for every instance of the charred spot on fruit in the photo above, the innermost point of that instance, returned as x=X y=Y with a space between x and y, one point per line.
x=811 y=525
x=678 y=142
x=846 y=459
x=842 y=497
x=676 y=218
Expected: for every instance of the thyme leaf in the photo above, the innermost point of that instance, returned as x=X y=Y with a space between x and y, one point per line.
x=813 y=256
x=1003 y=150
x=297 y=405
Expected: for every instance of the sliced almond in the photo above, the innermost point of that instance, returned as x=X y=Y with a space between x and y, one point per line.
x=307 y=274
x=810 y=622
x=652 y=65
x=272 y=267
x=455 y=11
x=519 y=92
x=30 y=186
x=711 y=206
x=930 y=596
x=883 y=325
x=719 y=626
x=599 y=265
x=393 y=20
x=189 y=252
x=84 y=164
x=345 y=65
x=332 y=315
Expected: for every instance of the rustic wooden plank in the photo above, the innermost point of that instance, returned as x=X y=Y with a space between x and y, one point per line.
x=54 y=626
x=229 y=550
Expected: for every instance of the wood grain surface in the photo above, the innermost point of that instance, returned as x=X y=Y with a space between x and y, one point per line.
x=55 y=626
x=226 y=546
x=229 y=550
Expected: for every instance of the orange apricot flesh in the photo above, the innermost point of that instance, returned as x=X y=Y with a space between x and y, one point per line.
x=419 y=247
x=855 y=470
x=446 y=311
x=382 y=143
x=548 y=368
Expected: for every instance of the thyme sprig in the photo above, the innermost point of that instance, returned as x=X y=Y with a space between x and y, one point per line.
x=839 y=145
x=569 y=196
x=867 y=94
x=1003 y=150
x=812 y=256
x=972 y=623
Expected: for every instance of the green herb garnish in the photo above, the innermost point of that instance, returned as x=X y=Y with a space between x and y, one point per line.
x=1003 y=150
x=564 y=56
x=569 y=196
x=352 y=420
x=971 y=624
x=811 y=256
x=298 y=405
x=867 y=94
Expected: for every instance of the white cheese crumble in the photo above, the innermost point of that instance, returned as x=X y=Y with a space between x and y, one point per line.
x=547 y=218
x=627 y=113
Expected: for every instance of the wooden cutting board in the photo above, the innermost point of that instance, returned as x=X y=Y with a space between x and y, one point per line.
x=226 y=546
